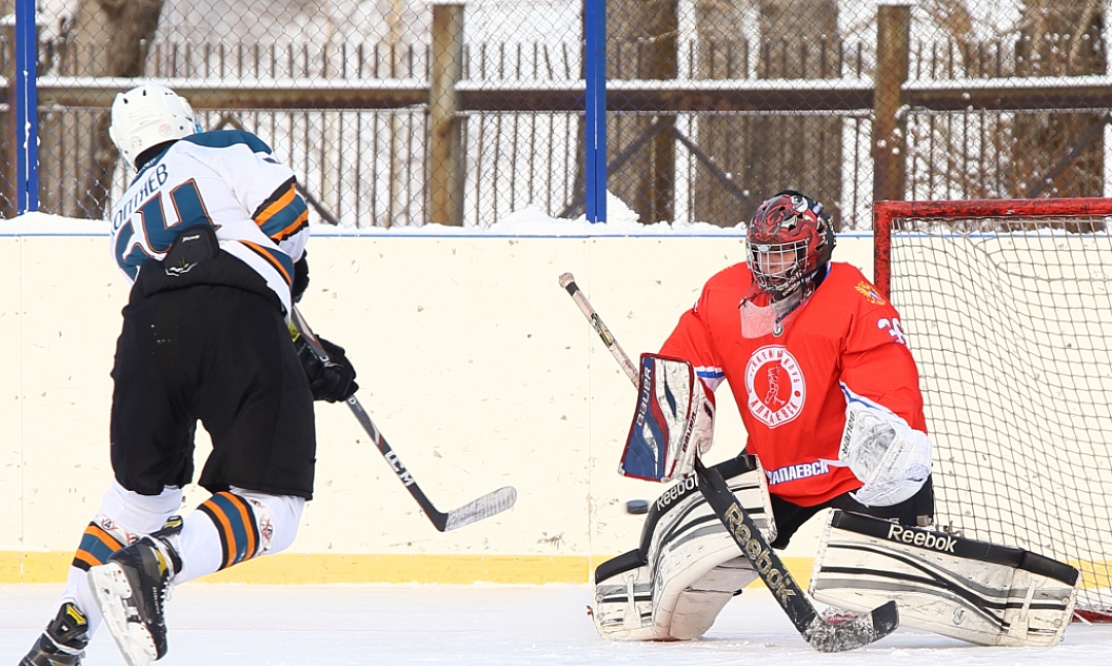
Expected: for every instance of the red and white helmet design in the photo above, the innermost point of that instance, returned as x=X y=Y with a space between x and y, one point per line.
x=790 y=238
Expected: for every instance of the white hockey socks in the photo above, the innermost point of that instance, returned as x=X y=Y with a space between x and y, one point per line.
x=124 y=516
x=233 y=527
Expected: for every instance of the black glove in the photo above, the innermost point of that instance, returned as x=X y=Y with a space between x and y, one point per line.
x=300 y=278
x=333 y=380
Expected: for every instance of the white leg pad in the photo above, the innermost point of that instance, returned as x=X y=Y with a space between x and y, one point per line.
x=698 y=605
x=687 y=569
x=623 y=605
x=969 y=590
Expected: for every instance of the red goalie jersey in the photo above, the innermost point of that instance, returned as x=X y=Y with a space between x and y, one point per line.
x=789 y=387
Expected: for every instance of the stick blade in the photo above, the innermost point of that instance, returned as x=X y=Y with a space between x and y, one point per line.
x=826 y=636
x=488 y=505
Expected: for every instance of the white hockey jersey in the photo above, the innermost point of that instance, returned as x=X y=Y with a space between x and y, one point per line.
x=228 y=179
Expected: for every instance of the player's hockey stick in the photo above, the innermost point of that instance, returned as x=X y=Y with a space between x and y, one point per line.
x=492 y=503
x=821 y=634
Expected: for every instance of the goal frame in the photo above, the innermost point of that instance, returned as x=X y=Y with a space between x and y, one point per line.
x=886 y=212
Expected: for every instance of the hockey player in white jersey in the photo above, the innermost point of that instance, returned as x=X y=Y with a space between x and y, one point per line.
x=212 y=234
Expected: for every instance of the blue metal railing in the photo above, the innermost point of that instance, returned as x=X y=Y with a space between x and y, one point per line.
x=26 y=104
x=26 y=108
x=594 y=29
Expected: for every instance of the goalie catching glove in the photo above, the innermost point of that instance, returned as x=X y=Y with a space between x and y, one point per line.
x=331 y=379
x=891 y=459
x=673 y=424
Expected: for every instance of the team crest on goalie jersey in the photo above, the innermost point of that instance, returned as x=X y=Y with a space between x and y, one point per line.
x=870 y=293
x=774 y=385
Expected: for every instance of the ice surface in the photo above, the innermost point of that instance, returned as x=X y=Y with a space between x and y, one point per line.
x=237 y=625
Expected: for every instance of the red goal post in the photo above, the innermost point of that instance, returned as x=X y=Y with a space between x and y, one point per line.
x=1007 y=306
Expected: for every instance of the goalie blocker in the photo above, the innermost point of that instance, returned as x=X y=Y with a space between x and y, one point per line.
x=687 y=566
x=969 y=590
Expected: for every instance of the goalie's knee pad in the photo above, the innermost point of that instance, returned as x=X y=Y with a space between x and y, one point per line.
x=965 y=589
x=687 y=568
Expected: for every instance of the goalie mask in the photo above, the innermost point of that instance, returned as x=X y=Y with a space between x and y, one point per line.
x=790 y=242
x=148 y=115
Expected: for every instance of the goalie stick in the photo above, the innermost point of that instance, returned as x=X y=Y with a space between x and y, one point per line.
x=492 y=503
x=821 y=634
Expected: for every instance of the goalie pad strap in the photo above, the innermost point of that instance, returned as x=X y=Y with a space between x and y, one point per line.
x=966 y=589
x=957 y=546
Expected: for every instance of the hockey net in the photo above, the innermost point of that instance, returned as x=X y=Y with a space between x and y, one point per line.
x=1007 y=307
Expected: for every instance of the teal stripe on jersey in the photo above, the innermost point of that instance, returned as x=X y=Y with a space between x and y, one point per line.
x=226 y=138
x=278 y=227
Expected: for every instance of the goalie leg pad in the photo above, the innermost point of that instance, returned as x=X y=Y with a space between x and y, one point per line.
x=623 y=608
x=697 y=605
x=629 y=607
x=687 y=568
x=966 y=589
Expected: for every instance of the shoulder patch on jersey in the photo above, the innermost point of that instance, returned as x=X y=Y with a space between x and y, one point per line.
x=227 y=138
x=870 y=293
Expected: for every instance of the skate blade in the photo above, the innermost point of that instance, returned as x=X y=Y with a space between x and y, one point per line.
x=113 y=594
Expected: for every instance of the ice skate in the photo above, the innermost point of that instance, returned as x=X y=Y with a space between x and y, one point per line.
x=63 y=642
x=131 y=589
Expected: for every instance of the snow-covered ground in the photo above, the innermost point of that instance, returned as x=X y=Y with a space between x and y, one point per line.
x=236 y=625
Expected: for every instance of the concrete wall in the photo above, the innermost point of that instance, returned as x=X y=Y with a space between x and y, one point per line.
x=477 y=367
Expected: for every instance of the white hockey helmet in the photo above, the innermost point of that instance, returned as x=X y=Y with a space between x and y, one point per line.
x=148 y=115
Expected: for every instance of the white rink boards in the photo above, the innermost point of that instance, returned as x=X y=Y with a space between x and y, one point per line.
x=476 y=366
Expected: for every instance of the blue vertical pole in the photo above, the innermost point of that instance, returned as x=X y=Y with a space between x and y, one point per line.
x=594 y=66
x=26 y=107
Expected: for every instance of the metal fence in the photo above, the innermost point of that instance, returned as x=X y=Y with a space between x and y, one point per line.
x=386 y=109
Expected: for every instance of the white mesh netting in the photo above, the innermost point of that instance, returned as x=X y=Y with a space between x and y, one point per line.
x=1010 y=320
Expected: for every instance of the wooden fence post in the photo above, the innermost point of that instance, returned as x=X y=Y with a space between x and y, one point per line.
x=445 y=170
x=889 y=122
x=9 y=205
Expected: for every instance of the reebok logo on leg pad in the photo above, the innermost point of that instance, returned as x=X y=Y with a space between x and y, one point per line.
x=963 y=588
x=922 y=538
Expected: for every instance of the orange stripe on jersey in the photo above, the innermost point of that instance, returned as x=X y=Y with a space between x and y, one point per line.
x=265 y=254
x=277 y=205
x=301 y=221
